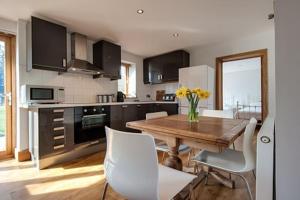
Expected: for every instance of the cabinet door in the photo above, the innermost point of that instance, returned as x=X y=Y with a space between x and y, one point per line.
x=130 y=114
x=143 y=109
x=116 y=117
x=172 y=63
x=107 y=56
x=171 y=109
x=155 y=70
x=49 y=45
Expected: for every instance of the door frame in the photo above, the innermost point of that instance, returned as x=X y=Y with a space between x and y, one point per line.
x=263 y=54
x=10 y=54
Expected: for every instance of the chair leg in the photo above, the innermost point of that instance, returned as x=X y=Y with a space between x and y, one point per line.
x=104 y=191
x=163 y=157
x=206 y=179
x=189 y=159
x=248 y=186
x=233 y=146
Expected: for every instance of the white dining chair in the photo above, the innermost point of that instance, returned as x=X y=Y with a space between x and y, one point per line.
x=232 y=161
x=217 y=113
x=220 y=114
x=132 y=170
x=161 y=145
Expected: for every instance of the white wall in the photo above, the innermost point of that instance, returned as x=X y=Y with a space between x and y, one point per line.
x=287 y=127
x=208 y=54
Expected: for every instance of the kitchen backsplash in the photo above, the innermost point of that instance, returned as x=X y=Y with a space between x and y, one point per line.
x=168 y=87
x=79 y=88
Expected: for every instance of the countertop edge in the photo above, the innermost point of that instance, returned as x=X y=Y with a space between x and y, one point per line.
x=65 y=105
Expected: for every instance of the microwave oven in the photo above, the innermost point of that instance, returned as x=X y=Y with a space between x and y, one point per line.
x=31 y=94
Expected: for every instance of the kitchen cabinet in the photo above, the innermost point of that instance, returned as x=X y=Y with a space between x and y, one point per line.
x=49 y=45
x=164 y=68
x=171 y=109
x=107 y=56
x=143 y=109
x=56 y=131
x=120 y=114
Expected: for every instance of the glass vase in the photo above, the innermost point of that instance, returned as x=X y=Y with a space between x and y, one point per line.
x=193 y=114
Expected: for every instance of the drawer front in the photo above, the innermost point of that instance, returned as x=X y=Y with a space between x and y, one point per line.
x=52 y=131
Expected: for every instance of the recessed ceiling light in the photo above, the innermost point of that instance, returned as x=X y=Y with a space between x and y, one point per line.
x=140 y=11
x=98 y=73
x=73 y=69
x=175 y=34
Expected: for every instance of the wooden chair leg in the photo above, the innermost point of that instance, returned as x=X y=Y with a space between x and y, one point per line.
x=104 y=191
x=163 y=157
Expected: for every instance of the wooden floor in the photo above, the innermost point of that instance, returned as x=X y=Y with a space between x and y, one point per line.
x=84 y=179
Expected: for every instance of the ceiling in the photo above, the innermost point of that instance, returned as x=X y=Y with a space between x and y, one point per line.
x=198 y=22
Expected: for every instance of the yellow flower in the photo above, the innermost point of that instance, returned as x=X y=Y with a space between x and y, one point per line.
x=196 y=90
x=203 y=94
x=182 y=92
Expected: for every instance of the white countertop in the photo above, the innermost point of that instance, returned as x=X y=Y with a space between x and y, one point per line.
x=64 y=105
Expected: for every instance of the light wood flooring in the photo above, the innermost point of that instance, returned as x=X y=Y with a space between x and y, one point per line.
x=84 y=179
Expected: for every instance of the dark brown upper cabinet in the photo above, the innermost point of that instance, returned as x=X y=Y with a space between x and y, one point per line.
x=49 y=45
x=164 y=68
x=107 y=56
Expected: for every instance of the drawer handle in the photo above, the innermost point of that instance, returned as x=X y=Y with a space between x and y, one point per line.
x=59 y=147
x=58 y=119
x=59 y=137
x=58 y=128
x=124 y=106
x=58 y=111
x=138 y=105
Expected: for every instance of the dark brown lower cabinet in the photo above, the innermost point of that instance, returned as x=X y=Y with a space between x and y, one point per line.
x=56 y=131
x=171 y=109
x=121 y=114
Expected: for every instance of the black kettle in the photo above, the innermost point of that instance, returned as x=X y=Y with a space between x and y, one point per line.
x=120 y=96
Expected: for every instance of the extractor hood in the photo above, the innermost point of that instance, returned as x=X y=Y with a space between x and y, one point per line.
x=79 y=63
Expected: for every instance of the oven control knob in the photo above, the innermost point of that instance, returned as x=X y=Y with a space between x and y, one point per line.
x=94 y=109
x=85 y=110
x=102 y=109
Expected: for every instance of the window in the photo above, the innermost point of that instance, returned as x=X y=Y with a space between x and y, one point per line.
x=127 y=83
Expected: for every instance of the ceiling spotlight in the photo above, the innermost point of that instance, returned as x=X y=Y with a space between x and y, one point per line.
x=140 y=11
x=98 y=72
x=175 y=34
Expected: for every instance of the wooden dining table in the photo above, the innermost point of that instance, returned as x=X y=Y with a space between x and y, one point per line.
x=209 y=133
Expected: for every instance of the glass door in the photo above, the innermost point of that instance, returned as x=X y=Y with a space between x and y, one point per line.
x=5 y=96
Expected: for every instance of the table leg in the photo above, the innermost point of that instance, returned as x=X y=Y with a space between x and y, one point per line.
x=173 y=160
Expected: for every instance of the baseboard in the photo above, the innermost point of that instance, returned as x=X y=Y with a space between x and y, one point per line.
x=23 y=155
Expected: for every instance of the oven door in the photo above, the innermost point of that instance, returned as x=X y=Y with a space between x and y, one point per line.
x=90 y=127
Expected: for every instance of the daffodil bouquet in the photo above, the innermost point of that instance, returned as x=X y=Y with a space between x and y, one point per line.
x=193 y=96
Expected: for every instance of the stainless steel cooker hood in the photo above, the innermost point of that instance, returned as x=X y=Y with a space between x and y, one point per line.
x=79 y=63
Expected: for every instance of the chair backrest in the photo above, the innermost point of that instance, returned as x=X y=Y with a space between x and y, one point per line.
x=248 y=147
x=217 y=113
x=131 y=165
x=156 y=115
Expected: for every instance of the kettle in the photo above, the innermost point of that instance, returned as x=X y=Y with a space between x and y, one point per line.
x=120 y=96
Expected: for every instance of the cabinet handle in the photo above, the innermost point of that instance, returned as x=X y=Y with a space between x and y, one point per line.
x=58 y=111
x=64 y=62
x=138 y=106
x=59 y=147
x=58 y=128
x=59 y=137
x=125 y=106
x=58 y=119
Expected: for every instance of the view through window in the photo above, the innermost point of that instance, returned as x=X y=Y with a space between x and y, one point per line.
x=127 y=83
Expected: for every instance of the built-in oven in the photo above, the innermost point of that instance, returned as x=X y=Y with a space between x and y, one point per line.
x=90 y=122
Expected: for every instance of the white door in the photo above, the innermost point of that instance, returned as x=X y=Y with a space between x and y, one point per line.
x=265 y=161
